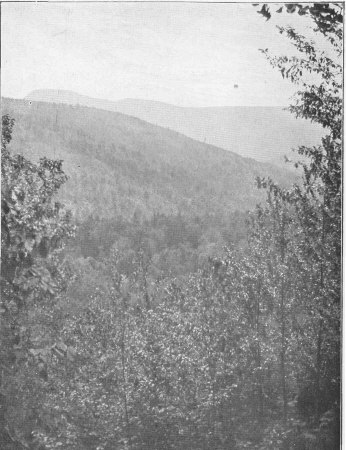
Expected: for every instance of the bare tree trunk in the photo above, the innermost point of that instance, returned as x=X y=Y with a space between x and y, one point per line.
x=283 y=353
x=259 y=361
x=320 y=325
x=283 y=328
x=124 y=375
x=318 y=370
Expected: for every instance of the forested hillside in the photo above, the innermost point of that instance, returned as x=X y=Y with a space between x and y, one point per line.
x=141 y=187
x=266 y=134
x=119 y=165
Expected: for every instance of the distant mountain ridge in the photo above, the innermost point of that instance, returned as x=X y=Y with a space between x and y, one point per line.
x=120 y=165
x=266 y=134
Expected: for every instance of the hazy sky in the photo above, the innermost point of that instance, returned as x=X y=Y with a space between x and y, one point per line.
x=181 y=53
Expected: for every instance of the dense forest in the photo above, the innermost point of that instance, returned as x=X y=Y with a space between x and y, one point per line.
x=152 y=311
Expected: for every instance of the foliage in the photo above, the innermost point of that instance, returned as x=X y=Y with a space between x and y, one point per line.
x=315 y=237
x=175 y=245
x=327 y=17
x=33 y=226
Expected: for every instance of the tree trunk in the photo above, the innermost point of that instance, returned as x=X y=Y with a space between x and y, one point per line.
x=283 y=353
x=124 y=377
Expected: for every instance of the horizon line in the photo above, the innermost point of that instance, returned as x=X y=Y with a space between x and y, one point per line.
x=140 y=99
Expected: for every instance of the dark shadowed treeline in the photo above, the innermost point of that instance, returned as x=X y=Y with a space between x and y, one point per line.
x=173 y=245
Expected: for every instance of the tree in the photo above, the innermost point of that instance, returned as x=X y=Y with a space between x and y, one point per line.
x=316 y=203
x=327 y=17
x=33 y=229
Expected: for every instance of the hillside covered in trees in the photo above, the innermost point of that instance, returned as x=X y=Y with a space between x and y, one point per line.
x=141 y=187
x=118 y=164
x=274 y=131
x=142 y=307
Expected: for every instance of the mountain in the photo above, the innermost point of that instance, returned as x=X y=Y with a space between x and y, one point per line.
x=263 y=133
x=119 y=165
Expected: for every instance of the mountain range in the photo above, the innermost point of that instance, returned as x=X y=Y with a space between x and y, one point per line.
x=266 y=134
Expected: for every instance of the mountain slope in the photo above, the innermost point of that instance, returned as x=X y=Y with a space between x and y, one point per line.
x=119 y=165
x=263 y=133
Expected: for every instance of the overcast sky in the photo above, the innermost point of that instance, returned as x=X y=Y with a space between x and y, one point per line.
x=181 y=53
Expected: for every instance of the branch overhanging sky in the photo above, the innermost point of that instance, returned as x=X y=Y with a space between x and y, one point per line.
x=187 y=54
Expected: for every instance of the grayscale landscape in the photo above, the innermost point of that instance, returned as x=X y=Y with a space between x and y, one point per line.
x=171 y=226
